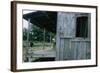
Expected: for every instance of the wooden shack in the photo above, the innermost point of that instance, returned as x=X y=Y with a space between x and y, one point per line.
x=73 y=36
x=72 y=30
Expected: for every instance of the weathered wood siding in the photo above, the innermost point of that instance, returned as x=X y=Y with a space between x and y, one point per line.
x=65 y=28
x=80 y=49
x=68 y=47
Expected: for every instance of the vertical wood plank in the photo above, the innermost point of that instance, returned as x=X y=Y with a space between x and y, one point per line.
x=58 y=37
x=88 y=50
x=61 y=52
x=67 y=53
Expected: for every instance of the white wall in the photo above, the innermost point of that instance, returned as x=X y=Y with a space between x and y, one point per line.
x=5 y=37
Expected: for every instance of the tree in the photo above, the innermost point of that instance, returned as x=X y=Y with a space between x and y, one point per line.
x=36 y=34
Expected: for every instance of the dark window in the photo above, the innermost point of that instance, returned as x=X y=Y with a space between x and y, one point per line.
x=82 y=27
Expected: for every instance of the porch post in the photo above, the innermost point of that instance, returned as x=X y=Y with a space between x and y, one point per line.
x=44 y=38
x=28 y=44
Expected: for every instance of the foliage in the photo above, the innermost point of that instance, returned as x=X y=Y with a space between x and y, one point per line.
x=37 y=34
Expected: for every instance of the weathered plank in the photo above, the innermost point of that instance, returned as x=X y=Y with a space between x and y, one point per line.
x=67 y=48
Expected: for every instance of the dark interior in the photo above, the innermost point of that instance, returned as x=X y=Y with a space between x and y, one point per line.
x=43 y=59
x=82 y=26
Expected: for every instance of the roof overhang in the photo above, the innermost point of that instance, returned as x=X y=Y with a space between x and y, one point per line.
x=43 y=19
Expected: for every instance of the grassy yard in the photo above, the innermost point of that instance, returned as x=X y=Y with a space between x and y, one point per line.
x=36 y=47
x=41 y=45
